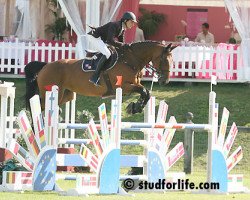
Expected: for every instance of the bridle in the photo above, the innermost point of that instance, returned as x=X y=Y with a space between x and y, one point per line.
x=163 y=61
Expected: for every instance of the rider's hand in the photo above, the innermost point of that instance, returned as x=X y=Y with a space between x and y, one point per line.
x=126 y=45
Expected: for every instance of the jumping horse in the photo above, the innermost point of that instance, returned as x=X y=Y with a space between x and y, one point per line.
x=68 y=75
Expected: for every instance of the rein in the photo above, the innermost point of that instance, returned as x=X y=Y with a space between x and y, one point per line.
x=154 y=70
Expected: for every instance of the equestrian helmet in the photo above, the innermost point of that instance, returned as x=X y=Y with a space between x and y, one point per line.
x=129 y=16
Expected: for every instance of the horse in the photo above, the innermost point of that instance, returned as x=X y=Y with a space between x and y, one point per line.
x=68 y=75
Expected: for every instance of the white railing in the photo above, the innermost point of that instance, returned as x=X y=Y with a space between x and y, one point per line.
x=191 y=63
x=198 y=63
x=15 y=55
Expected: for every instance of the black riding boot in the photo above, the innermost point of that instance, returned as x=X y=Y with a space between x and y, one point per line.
x=96 y=76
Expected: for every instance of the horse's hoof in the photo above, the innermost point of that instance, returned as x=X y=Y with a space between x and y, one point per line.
x=130 y=108
x=133 y=108
x=137 y=108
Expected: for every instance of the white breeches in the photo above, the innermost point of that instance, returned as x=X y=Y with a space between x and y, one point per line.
x=99 y=45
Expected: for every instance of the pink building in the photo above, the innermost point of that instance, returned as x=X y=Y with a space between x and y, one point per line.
x=194 y=13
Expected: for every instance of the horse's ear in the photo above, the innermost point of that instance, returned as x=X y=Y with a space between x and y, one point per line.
x=169 y=46
x=172 y=48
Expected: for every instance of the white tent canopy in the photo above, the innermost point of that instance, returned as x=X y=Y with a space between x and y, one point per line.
x=24 y=18
x=93 y=17
x=72 y=14
x=24 y=29
x=240 y=12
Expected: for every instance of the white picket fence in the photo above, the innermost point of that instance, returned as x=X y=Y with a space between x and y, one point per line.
x=198 y=63
x=15 y=55
x=191 y=63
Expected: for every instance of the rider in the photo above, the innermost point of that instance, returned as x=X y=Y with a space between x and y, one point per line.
x=107 y=34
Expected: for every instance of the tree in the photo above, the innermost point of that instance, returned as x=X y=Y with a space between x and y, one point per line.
x=58 y=28
x=150 y=21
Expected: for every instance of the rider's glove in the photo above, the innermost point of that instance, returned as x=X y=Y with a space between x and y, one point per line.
x=126 y=46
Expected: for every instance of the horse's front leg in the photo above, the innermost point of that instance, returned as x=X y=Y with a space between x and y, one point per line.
x=137 y=107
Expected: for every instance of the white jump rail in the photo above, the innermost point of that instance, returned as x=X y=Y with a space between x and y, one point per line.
x=7 y=118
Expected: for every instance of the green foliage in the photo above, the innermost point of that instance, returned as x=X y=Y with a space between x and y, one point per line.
x=58 y=28
x=150 y=21
x=179 y=37
x=10 y=165
x=84 y=116
x=232 y=40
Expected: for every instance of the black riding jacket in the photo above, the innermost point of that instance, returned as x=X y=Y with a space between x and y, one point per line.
x=109 y=32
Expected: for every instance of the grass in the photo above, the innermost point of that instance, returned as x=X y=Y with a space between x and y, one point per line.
x=181 y=99
x=144 y=196
x=151 y=196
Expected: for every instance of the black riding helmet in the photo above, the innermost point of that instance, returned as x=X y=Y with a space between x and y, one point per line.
x=129 y=16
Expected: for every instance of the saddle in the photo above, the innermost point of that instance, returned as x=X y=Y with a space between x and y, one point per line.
x=92 y=59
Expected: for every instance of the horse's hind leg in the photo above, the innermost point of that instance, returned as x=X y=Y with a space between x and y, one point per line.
x=66 y=96
x=63 y=97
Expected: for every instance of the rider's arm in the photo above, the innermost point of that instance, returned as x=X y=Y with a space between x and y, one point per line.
x=111 y=37
x=121 y=37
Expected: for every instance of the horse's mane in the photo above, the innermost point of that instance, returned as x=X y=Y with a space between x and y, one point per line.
x=145 y=42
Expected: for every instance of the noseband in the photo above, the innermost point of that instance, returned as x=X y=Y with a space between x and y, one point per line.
x=163 y=62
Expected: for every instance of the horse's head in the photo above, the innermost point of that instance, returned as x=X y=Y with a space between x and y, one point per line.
x=162 y=61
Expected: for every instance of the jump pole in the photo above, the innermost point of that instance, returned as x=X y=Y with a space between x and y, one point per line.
x=211 y=127
x=7 y=92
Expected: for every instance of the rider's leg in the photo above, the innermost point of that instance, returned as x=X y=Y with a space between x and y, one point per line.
x=101 y=46
x=96 y=76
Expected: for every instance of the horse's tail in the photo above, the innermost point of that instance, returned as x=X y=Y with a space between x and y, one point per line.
x=31 y=71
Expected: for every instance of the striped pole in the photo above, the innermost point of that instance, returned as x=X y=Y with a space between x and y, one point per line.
x=141 y=126
x=149 y=136
x=72 y=117
x=38 y=121
x=213 y=122
x=119 y=117
x=165 y=126
x=51 y=116
x=89 y=141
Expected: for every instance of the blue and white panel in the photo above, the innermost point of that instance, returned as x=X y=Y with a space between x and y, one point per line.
x=44 y=174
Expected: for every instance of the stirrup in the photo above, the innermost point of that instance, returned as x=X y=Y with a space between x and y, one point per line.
x=96 y=83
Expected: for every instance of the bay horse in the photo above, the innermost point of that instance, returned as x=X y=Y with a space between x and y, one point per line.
x=68 y=75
